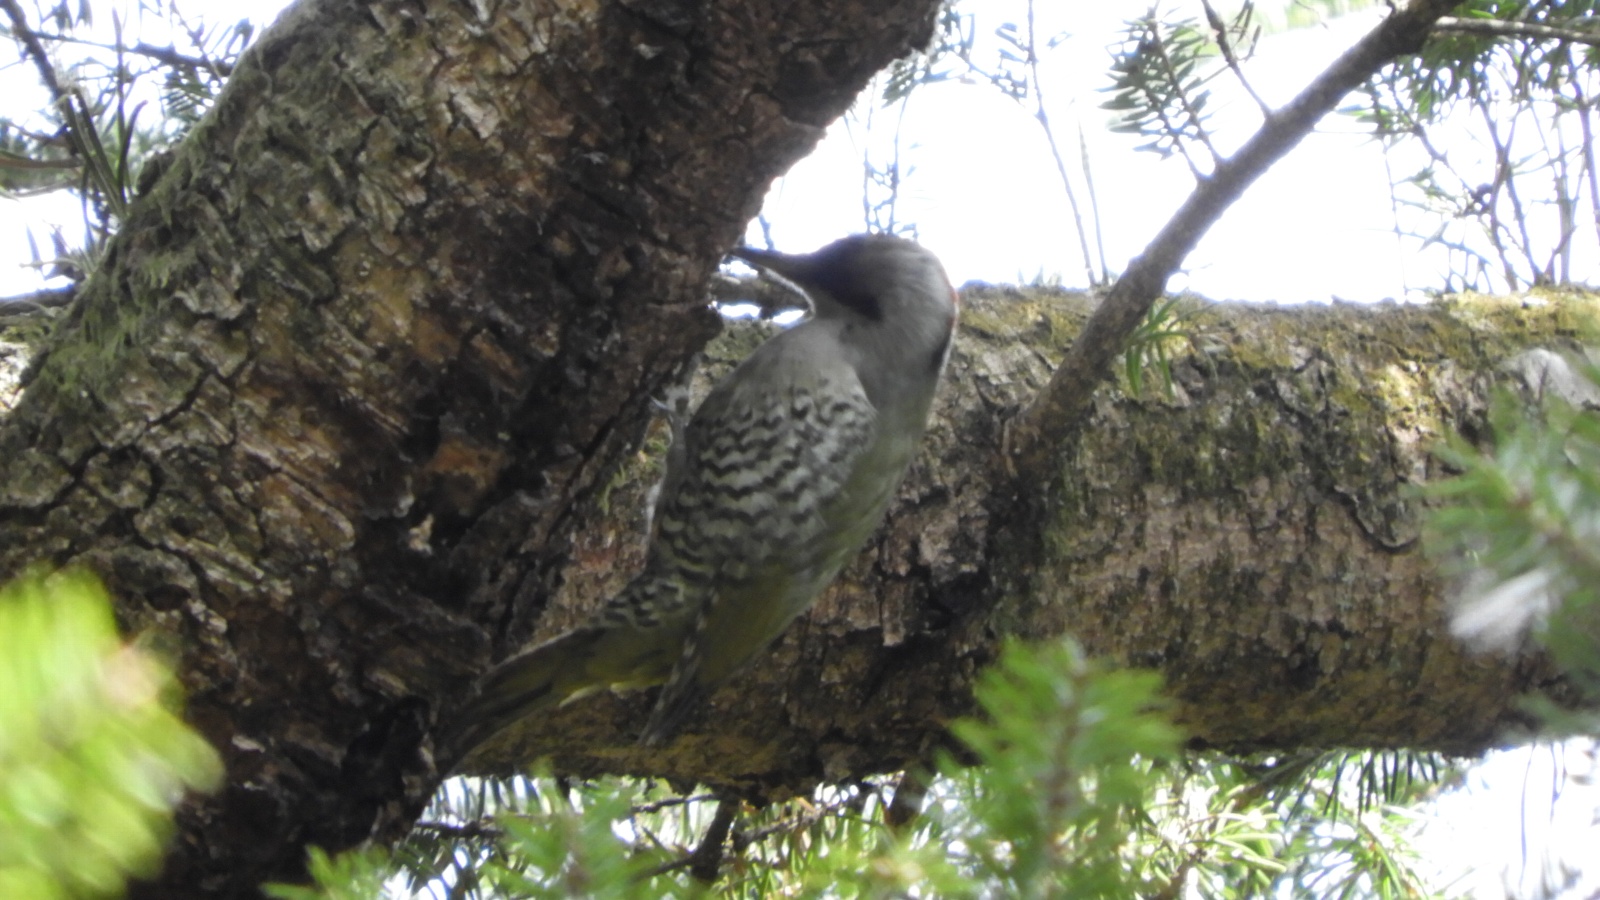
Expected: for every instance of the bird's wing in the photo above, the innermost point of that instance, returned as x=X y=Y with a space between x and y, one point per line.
x=762 y=510
x=537 y=678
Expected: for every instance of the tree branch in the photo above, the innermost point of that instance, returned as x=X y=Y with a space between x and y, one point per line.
x=1502 y=29
x=1058 y=412
x=351 y=371
x=45 y=298
x=35 y=50
x=1254 y=537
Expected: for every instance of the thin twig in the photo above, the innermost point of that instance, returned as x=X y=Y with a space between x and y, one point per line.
x=1505 y=178
x=1094 y=209
x=49 y=298
x=167 y=56
x=811 y=816
x=9 y=160
x=1190 y=111
x=171 y=57
x=1158 y=103
x=466 y=830
x=77 y=118
x=1566 y=205
x=1585 y=107
x=24 y=32
x=673 y=865
x=1219 y=29
x=659 y=805
x=1037 y=87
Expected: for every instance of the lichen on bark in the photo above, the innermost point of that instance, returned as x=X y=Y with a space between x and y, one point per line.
x=1252 y=535
x=325 y=414
x=349 y=410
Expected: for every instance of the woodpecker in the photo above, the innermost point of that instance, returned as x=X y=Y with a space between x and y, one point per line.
x=784 y=471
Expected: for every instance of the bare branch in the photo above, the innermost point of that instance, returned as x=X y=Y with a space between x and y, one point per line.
x=35 y=49
x=167 y=56
x=1502 y=29
x=170 y=56
x=1054 y=416
x=48 y=298
x=1037 y=87
x=1219 y=30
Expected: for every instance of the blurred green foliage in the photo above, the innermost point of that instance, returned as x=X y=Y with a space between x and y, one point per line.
x=357 y=875
x=1521 y=528
x=1065 y=753
x=93 y=756
x=1070 y=783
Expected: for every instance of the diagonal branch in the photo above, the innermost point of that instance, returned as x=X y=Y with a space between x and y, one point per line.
x=35 y=49
x=1056 y=414
x=1500 y=28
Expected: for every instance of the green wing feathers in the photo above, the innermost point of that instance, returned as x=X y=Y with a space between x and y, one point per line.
x=538 y=678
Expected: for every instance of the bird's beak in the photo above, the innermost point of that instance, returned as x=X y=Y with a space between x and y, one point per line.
x=794 y=268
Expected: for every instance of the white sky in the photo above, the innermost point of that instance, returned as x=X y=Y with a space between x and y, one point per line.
x=985 y=196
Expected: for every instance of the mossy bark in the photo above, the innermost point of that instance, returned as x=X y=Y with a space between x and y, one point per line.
x=326 y=413
x=1253 y=535
x=351 y=410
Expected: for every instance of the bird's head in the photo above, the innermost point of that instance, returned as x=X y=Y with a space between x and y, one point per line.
x=876 y=277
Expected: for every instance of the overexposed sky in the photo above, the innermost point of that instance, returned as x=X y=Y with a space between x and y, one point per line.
x=986 y=196
x=980 y=184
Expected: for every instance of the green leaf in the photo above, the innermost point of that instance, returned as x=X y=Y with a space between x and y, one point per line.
x=93 y=756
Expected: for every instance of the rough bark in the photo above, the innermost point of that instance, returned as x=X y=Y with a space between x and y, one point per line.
x=325 y=414
x=1254 y=537
x=352 y=398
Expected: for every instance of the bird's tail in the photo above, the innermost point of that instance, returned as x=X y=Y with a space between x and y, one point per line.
x=537 y=678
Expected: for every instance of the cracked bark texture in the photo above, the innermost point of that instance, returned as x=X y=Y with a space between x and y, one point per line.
x=351 y=409
x=324 y=415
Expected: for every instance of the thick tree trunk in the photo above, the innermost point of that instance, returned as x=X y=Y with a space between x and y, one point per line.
x=326 y=414
x=351 y=403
